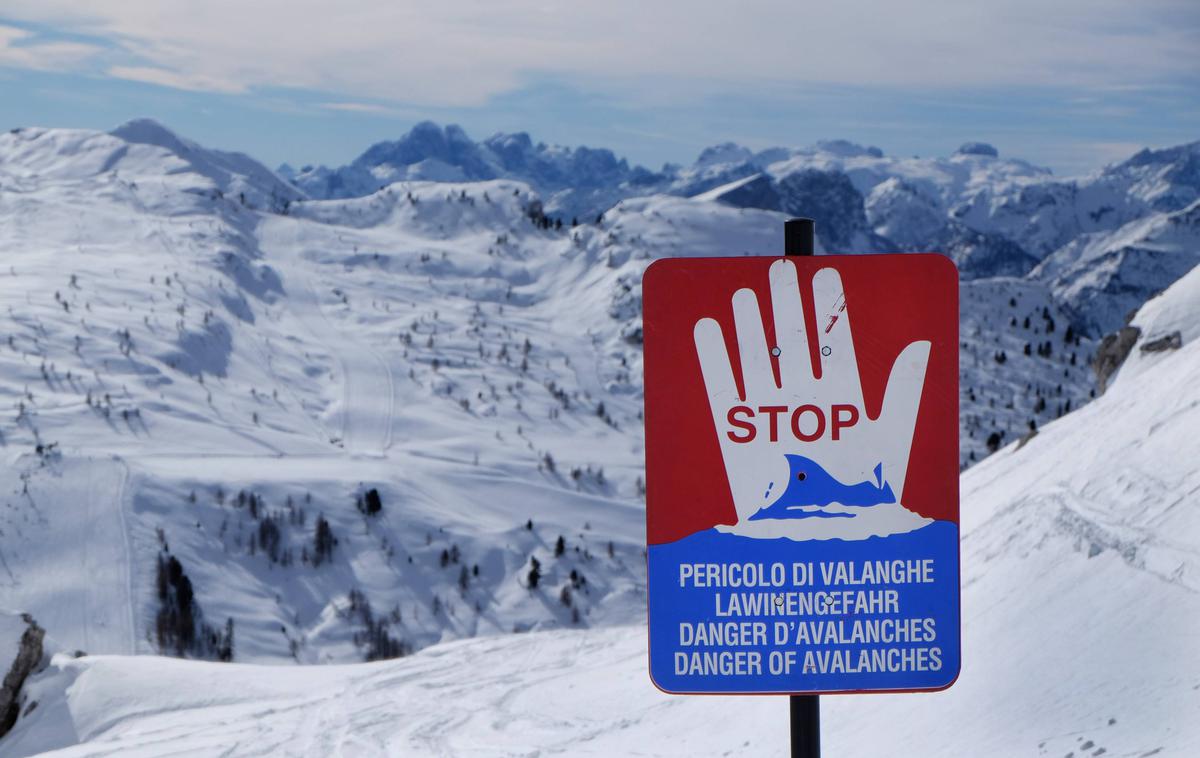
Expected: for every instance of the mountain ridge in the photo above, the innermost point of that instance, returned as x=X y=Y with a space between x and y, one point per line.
x=993 y=215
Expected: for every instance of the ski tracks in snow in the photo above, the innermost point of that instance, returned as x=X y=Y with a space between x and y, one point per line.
x=115 y=620
x=368 y=392
x=107 y=596
x=130 y=597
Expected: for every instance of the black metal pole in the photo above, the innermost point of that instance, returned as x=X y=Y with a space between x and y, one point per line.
x=806 y=725
x=799 y=238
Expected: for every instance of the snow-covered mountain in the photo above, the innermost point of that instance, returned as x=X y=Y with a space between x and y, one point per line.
x=828 y=182
x=994 y=216
x=1102 y=277
x=572 y=182
x=1102 y=243
x=301 y=422
x=1080 y=604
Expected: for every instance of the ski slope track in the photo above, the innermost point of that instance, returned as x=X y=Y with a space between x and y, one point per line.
x=363 y=415
x=68 y=552
x=365 y=412
x=198 y=363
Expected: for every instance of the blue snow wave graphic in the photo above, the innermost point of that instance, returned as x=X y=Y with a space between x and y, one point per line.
x=839 y=636
x=809 y=484
x=797 y=513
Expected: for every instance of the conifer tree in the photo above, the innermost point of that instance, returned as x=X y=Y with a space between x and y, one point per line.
x=323 y=541
x=535 y=573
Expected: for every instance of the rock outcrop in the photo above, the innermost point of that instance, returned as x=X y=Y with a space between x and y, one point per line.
x=1172 y=341
x=21 y=648
x=1113 y=351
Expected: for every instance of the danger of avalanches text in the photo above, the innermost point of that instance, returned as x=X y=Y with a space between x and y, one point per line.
x=769 y=600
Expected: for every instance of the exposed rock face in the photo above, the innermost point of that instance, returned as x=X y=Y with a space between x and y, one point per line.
x=1113 y=351
x=426 y=140
x=758 y=192
x=981 y=254
x=830 y=198
x=26 y=657
x=978 y=148
x=1172 y=341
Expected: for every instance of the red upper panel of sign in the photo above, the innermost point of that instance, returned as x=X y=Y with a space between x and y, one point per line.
x=889 y=301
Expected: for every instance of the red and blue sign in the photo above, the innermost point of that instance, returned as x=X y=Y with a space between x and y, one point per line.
x=802 y=473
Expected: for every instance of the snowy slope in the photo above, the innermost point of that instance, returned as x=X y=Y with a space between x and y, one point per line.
x=1021 y=365
x=195 y=350
x=234 y=174
x=67 y=554
x=1104 y=277
x=1080 y=603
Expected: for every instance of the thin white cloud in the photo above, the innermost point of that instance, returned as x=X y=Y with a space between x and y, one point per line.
x=369 y=108
x=20 y=48
x=463 y=52
x=165 y=78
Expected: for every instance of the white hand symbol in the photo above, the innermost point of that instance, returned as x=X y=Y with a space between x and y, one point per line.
x=822 y=418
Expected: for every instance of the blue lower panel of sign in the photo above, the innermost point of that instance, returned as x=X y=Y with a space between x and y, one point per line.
x=741 y=615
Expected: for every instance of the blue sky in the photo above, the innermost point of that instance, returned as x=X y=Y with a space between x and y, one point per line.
x=1073 y=87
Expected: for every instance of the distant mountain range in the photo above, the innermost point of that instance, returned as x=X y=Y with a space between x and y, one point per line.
x=1103 y=242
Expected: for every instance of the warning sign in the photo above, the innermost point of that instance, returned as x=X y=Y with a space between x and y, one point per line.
x=802 y=473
